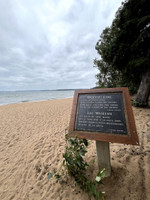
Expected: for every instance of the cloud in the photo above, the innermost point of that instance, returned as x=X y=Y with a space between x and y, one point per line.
x=50 y=44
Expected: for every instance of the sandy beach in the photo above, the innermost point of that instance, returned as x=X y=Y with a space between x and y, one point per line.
x=32 y=140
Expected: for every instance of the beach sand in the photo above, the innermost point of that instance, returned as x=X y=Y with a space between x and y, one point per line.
x=32 y=140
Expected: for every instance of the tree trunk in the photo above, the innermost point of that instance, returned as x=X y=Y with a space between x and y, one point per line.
x=144 y=89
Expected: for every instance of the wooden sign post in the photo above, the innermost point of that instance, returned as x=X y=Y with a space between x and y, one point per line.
x=103 y=157
x=104 y=115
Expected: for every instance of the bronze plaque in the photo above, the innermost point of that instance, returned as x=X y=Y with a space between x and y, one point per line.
x=104 y=115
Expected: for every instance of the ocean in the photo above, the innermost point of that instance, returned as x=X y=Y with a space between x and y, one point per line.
x=11 y=97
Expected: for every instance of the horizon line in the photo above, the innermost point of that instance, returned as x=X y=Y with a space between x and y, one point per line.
x=41 y=90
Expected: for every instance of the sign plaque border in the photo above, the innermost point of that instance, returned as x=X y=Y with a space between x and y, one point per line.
x=130 y=138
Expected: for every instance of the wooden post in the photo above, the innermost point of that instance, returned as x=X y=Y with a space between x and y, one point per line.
x=103 y=156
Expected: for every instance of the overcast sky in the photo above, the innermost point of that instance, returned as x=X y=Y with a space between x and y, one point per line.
x=50 y=44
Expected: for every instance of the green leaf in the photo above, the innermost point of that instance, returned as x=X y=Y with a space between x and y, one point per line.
x=57 y=176
x=78 y=163
x=93 y=189
x=102 y=195
x=50 y=175
x=102 y=173
x=82 y=152
x=69 y=160
x=85 y=142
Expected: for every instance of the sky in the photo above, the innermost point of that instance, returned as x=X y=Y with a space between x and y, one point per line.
x=50 y=44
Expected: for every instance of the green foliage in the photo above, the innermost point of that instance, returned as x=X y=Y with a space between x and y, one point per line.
x=76 y=167
x=137 y=104
x=50 y=175
x=124 y=47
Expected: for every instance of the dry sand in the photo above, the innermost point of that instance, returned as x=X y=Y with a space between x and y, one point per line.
x=31 y=145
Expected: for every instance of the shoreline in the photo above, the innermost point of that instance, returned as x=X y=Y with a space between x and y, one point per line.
x=21 y=102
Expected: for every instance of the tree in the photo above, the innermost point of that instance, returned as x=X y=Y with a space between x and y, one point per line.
x=124 y=50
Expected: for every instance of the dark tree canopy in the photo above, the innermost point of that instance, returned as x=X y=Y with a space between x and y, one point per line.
x=124 y=47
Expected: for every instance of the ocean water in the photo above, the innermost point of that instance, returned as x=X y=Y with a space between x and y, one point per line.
x=27 y=96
